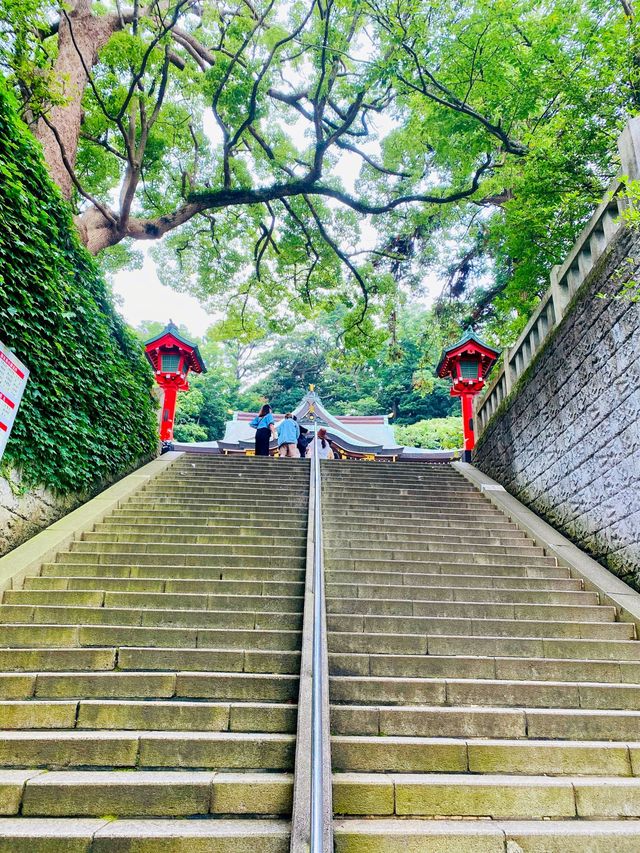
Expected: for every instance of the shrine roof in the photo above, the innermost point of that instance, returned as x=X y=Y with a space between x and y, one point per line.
x=477 y=345
x=164 y=338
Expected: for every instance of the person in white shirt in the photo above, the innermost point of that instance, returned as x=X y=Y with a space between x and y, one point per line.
x=321 y=443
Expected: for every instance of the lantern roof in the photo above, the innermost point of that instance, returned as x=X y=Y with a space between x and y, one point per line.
x=170 y=338
x=468 y=345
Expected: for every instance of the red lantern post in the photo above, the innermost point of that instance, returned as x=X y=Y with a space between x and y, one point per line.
x=172 y=357
x=467 y=363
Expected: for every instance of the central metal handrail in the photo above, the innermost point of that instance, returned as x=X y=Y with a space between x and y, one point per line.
x=311 y=819
x=317 y=698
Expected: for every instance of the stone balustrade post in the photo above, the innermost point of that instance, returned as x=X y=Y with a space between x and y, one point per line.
x=558 y=297
x=629 y=148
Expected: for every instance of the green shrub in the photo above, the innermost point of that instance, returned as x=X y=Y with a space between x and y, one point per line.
x=436 y=433
x=190 y=432
x=87 y=414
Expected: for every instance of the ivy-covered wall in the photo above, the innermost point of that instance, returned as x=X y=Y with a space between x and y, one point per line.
x=87 y=415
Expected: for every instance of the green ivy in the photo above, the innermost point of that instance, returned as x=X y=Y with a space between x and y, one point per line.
x=87 y=414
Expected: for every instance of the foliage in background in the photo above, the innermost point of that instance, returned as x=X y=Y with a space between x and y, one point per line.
x=477 y=134
x=242 y=374
x=437 y=433
x=87 y=414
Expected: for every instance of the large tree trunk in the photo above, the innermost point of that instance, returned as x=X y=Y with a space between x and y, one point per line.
x=80 y=38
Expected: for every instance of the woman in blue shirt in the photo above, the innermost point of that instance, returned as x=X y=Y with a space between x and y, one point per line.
x=288 y=433
x=265 y=429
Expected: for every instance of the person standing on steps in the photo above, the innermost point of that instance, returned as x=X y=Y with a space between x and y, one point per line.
x=321 y=446
x=303 y=439
x=288 y=433
x=263 y=424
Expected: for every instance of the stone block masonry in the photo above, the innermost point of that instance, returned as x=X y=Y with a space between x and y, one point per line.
x=566 y=442
x=25 y=511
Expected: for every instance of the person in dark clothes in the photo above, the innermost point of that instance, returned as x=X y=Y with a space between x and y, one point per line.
x=303 y=440
x=263 y=423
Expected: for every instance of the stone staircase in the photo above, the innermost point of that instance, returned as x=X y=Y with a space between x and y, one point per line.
x=481 y=699
x=149 y=676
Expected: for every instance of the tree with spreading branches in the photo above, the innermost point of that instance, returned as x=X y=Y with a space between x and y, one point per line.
x=262 y=138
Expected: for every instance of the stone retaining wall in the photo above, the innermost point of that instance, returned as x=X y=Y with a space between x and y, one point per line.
x=25 y=511
x=566 y=441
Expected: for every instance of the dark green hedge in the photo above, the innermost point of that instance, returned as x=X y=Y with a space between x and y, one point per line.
x=87 y=414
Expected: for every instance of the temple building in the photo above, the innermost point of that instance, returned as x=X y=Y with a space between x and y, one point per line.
x=369 y=437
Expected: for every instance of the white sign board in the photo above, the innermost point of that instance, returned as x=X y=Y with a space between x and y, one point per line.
x=13 y=379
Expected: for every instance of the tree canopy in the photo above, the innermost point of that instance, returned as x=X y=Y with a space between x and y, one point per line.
x=264 y=138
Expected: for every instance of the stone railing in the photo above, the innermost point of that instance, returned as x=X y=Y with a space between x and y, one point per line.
x=565 y=280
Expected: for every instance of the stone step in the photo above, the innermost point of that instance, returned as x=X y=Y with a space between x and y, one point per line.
x=455 y=836
x=521 y=591
x=97 y=835
x=508 y=628
x=387 y=517
x=287 y=491
x=486 y=722
x=405 y=551
x=478 y=666
x=403 y=560
x=418 y=585
x=136 y=749
x=148 y=715
x=56 y=659
x=443 y=492
x=398 y=572
x=150 y=685
x=429 y=538
x=103 y=550
x=173 y=573
x=479 y=756
x=495 y=526
x=197 y=515
x=465 y=692
x=485 y=646
x=140 y=793
x=209 y=660
x=386 y=509
x=151 y=584
x=469 y=609
x=278 y=478
x=195 y=560
x=50 y=636
x=152 y=600
x=187 y=618
x=463 y=795
x=221 y=501
x=417 y=471
x=297 y=540
x=205 y=526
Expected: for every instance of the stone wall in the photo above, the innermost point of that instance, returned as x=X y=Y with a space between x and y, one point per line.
x=25 y=511
x=566 y=441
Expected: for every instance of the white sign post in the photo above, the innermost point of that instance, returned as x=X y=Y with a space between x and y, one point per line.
x=13 y=380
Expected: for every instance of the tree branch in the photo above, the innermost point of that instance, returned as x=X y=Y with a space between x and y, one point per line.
x=108 y=215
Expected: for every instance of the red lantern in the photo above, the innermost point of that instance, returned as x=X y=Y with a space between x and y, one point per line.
x=467 y=363
x=172 y=357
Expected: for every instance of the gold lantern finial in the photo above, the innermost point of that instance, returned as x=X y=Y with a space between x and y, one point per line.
x=311 y=387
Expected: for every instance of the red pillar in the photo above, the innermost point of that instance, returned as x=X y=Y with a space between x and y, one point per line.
x=467 y=425
x=168 y=413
